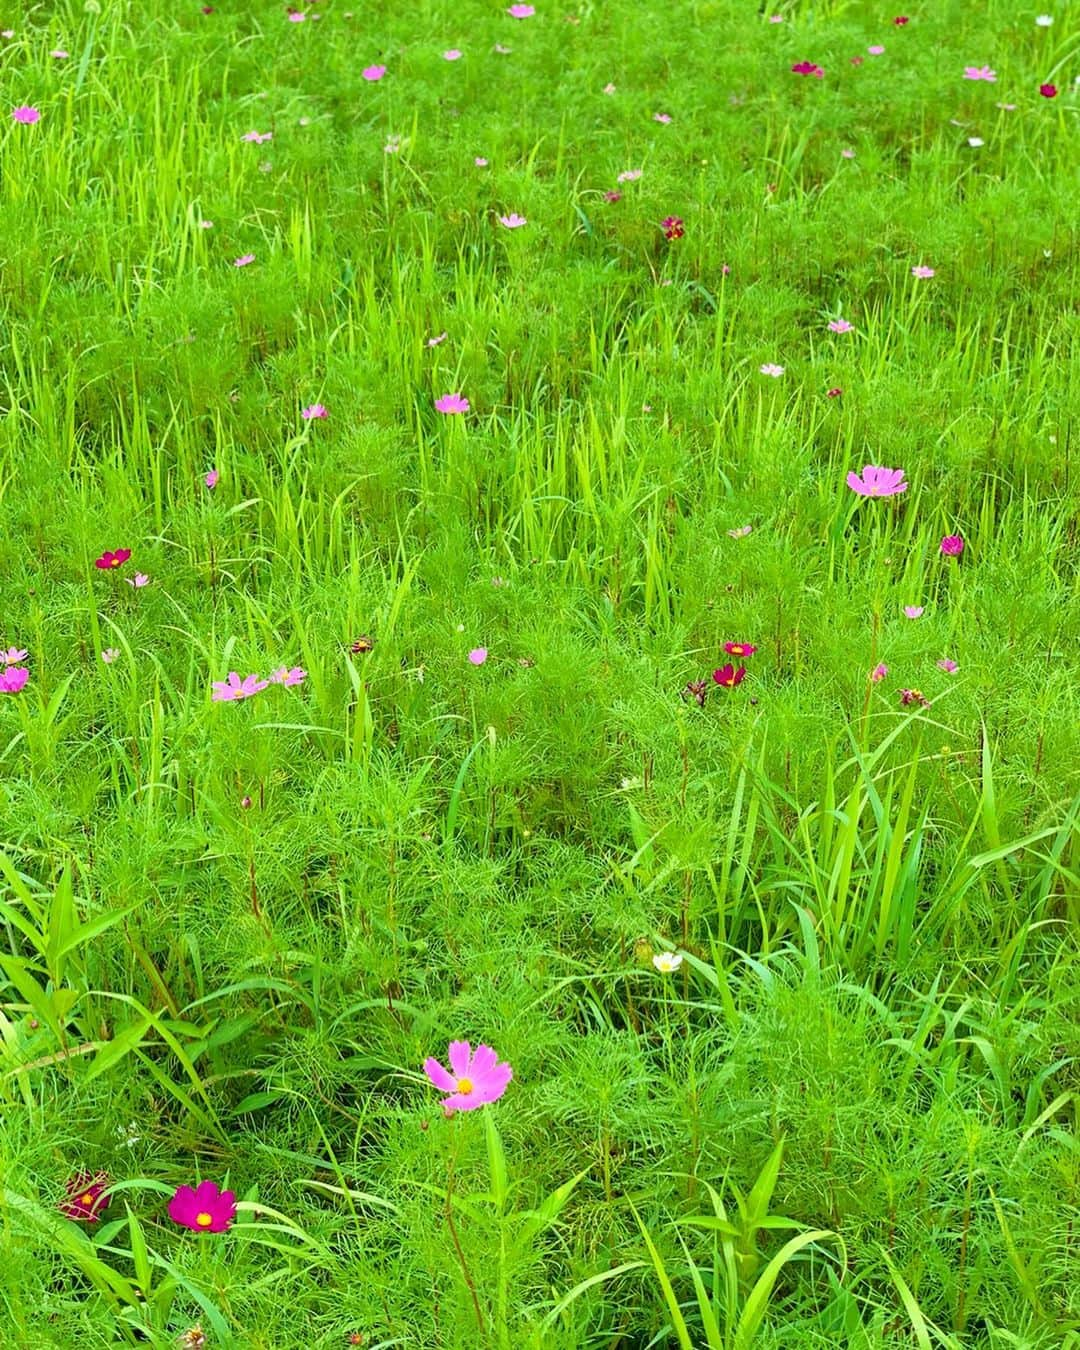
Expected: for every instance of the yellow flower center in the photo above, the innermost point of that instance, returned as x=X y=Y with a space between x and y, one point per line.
x=204 y=1220
x=86 y=1199
x=464 y=1086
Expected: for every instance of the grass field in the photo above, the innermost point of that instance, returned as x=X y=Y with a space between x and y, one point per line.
x=785 y=964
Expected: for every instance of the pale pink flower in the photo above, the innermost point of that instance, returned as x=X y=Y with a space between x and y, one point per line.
x=478 y=656
x=769 y=368
x=109 y=655
x=503 y=51
x=257 y=137
x=244 y=259
x=206 y=224
x=228 y=691
x=608 y=88
x=480 y=162
x=13 y=678
x=980 y=73
x=26 y=115
x=875 y=50
x=513 y=221
x=740 y=532
x=452 y=403
x=316 y=412
x=373 y=73
x=664 y=118
x=211 y=479
x=913 y=611
x=948 y=666
x=283 y=675
x=139 y=580
x=628 y=176
x=878 y=673
x=776 y=18
x=12 y=656
x=877 y=481
x=452 y=55
x=58 y=54
x=848 y=153
x=840 y=326
x=295 y=16
x=521 y=11
x=437 y=340
x=923 y=273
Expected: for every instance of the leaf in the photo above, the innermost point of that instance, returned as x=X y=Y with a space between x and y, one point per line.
x=757 y=1303
x=678 y=1322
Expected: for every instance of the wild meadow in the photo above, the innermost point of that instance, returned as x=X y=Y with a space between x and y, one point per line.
x=539 y=641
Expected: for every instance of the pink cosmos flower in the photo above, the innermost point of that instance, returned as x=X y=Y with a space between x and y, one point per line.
x=807 y=68
x=438 y=339
x=316 y=412
x=776 y=18
x=206 y=224
x=612 y=196
x=258 y=137
x=952 y=545
x=203 y=1209
x=856 y=60
x=13 y=678
x=109 y=560
x=521 y=11
x=628 y=176
x=244 y=259
x=664 y=118
x=229 y=691
x=913 y=611
x=26 y=115
x=923 y=273
x=877 y=482
x=109 y=655
x=740 y=532
x=840 y=326
x=58 y=54
x=12 y=656
x=834 y=392
x=980 y=73
x=770 y=369
x=948 y=666
x=875 y=50
x=139 y=580
x=452 y=403
x=848 y=153
x=283 y=675
x=84 y=1197
x=373 y=73
x=296 y=16
x=476 y=1078
x=739 y=648
x=513 y=221
x=478 y=656
x=480 y=162
x=608 y=88
x=1048 y=90
x=211 y=479
x=878 y=673
x=452 y=55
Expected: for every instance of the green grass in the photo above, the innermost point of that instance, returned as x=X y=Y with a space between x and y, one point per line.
x=850 y=1117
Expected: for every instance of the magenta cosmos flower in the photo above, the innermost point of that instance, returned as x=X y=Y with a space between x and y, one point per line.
x=728 y=677
x=878 y=673
x=84 y=1197
x=474 y=1079
x=478 y=656
x=952 y=545
x=204 y=1209
x=116 y=558
x=373 y=74
x=315 y=412
x=980 y=73
x=807 y=68
x=739 y=649
x=1048 y=90
x=923 y=273
x=211 y=479
x=283 y=675
x=840 y=326
x=452 y=403
x=12 y=656
x=13 y=678
x=513 y=221
x=877 y=481
x=228 y=691
x=521 y=11
x=26 y=115
x=948 y=666
x=452 y=55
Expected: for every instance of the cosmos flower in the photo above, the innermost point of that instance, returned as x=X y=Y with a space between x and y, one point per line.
x=952 y=545
x=258 y=137
x=513 y=221
x=672 y=227
x=203 y=1209
x=667 y=963
x=476 y=1078
x=13 y=679
x=437 y=340
x=728 y=677
x=696 y=690
x=834 y=392
x=877 y=481
x=521 y=11
x=452 y=55
x=740 y=532
x=234 y=688
x=109 y=655
x=909 y=696
x=948 y=666
x=807 y=68
x=480 y=162
x=923 y=273
x=211 y=479
x=244 y=260
x=612 y=196
x=900 y=20
x=1048 y=90
x=876 y=50
x=26 y=115
x=139 y=580
x=85 y=1197
x=283 y=675
x=12 y=656
x=1044 y=20
x=478 y=656
x=913 y=611
x=110 y=560
x=770 y=369
x=373 y=73
x=847 y=152
x=315 y=412
x=663 y=118
x=739 y=649
x=980 y=73
x=452 y=403
x=840 y=326
x=628 y=176
x=878 y=673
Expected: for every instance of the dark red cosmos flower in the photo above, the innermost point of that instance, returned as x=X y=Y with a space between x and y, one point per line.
x=900 y=20
x=728 y=676
x=672 y=227
x=908 y=696
x=117 y=559
x=84 y=1197
x=739 y=649
x=835 y=392
x=807 y=68
x=1048 y=90
x=612 y=196
x=696 y=689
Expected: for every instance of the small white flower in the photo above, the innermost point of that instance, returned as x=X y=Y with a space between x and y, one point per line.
x=1044 y=20
x=975 y=142
x=667 y=962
